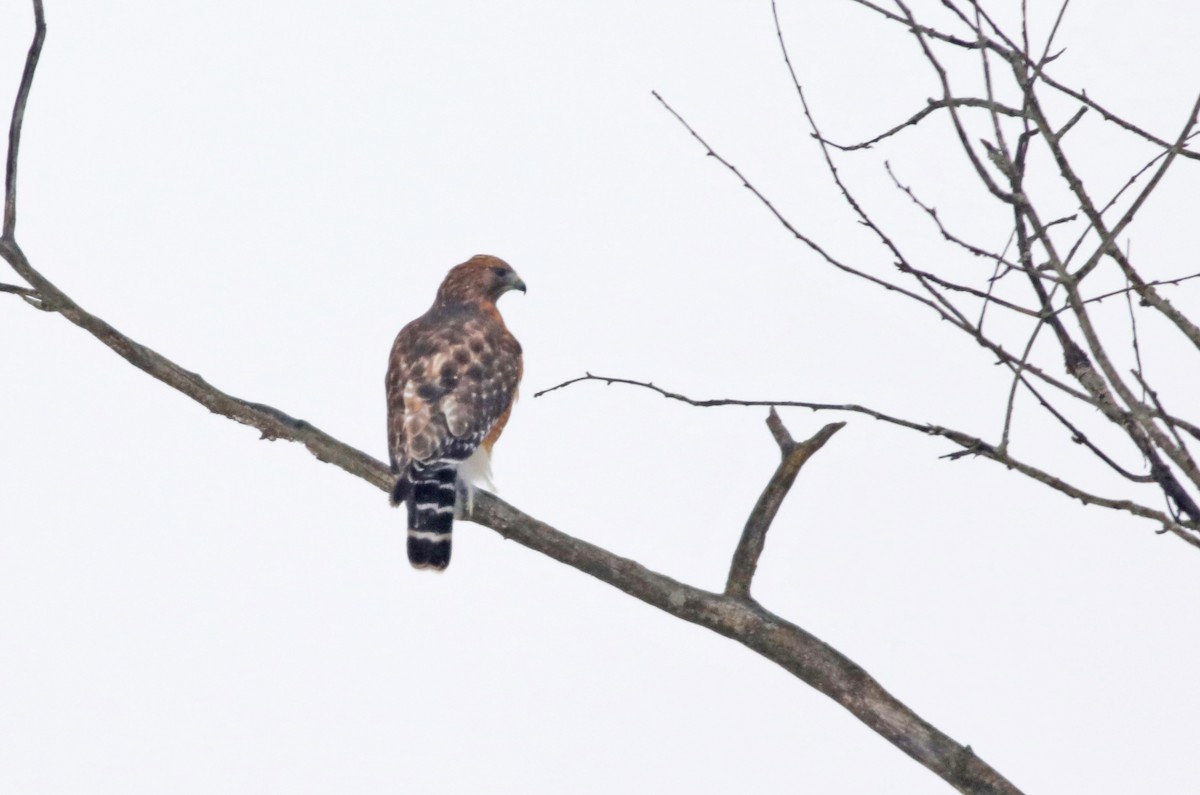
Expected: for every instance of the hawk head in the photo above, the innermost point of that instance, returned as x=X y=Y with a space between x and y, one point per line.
x=482 y=278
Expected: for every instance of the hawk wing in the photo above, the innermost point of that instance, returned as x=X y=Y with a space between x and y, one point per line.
x=452 y=379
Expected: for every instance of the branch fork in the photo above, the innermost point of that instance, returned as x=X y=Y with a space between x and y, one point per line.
x=793 y=455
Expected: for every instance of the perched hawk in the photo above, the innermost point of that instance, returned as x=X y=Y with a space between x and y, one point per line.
x=451 y=383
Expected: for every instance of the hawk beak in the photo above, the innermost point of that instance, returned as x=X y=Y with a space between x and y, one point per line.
x=518 y=283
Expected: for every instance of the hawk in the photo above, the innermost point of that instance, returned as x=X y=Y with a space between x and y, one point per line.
x=451 y=383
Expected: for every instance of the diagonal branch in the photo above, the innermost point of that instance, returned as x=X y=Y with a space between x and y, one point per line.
x=754 y=536
x=18 y=290
x=805 y=656
x=271 y=422
x=798 y=652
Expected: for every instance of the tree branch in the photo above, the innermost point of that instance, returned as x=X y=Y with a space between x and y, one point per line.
x=754 y=535
x=786 y=644
x=984 y=42
x=800 y=653
x=271 y=423
x=733 y=613
x=968 y=444
x=18 y=118
x=805 y=656
x=942 y=307
x=17 y=290
x=931 y=106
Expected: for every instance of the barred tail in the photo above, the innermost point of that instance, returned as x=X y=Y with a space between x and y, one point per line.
x=429 y=491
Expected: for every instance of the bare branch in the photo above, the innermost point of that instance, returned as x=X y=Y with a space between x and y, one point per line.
x=969 y=446
x=808 y=241
x=14 y=289
x=1017 y=381
x=1096 y=392
x=1155 y=283
x=800 y=653
x=1046 y=58
x=1108 y=237
x=272 y=423
x=964 y=139
x=1071 y=122
x=1138 y=421
x=786 y=644
x=941 y=303
x=1079 y=437
x=805 y=656
x=968 y=247
x=915 y=28
x=1081 y=96
x=934 y=104
x=18 y=118
x=851 y=407
x=754 y=535
x=1173 y=424
x=734 y=613
x=1108 y=115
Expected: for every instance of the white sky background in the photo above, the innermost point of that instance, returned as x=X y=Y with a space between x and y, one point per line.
x=267 y=192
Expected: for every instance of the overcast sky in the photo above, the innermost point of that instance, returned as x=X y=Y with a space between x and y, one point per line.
x=266 y=192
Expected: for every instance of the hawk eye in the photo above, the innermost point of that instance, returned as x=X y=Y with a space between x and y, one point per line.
x=501 y=272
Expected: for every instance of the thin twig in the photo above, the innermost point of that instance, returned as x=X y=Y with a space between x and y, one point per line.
x=1133 y=335
x=14 y=289
x=1173 y=424
x=1081 y=96
x=954 y=317
x=1079 y=437
x=946 y=234
x=1010 y=404
x=1071 y=122
x=1108 y=237
x=959 y=128
x=947 y=308
x=1111 y=203
x=934 y=33
x=1108 y=115
x=969 y=446
x=1155 y=283
x=808 y=241
x=1062 y=10
x=934 y=105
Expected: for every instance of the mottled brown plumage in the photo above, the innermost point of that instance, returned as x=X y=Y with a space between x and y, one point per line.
x=451 y=382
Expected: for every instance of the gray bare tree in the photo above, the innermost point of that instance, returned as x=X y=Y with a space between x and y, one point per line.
x=1046 y=283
